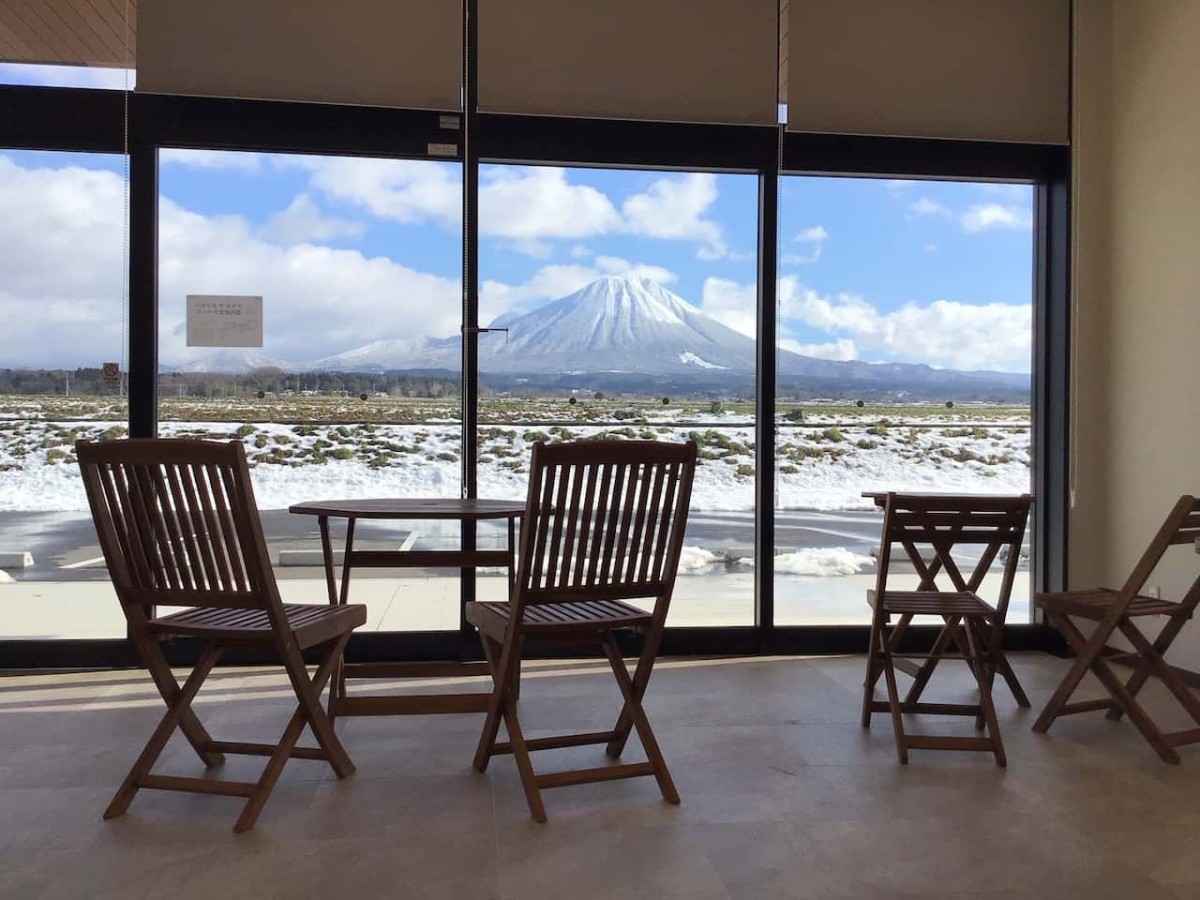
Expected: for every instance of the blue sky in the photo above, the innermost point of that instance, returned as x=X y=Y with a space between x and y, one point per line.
x=348 y=251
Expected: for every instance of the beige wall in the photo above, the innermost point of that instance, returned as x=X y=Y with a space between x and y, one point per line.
x=1137 y=263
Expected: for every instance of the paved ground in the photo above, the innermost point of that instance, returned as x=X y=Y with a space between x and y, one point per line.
x=64 y=544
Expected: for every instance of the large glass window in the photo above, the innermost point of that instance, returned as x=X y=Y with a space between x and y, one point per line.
x=62 y=300
x=39 y=75
x=905 y=349
x=355 y=388
x=624 y=306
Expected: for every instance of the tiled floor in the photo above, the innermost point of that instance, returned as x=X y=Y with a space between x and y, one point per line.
x=784 y=795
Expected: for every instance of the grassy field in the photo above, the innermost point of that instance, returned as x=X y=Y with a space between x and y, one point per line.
x=322 y=409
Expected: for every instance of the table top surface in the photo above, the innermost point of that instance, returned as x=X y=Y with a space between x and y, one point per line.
x=413 y=508
x=880 y=497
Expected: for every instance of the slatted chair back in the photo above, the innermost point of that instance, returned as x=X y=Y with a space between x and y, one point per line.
x=604 y=520
x=178 y=524
x=1181 y=526
x=929 y=527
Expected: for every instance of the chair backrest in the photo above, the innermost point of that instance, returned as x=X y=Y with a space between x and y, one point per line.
x=1181 y=526
x=930 y=526
x=178 y=524
x=604 y=520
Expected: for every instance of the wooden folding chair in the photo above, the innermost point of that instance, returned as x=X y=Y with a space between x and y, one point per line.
x=604 y=524
x=1116 y=610
x=930 y=528
x=178 y=526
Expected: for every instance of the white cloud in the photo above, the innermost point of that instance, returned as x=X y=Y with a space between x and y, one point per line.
x=539 y=202
x=841 y=349
x=982 y=216
x=897 y=186
x=732 y=304
x=61 y=240
x=924 y=206
x=404 y=190
x=930 y=248
x=944 y=333
x=212 y=159
x=815 y=238
x=553 y=281
x=529 y=205
x=614 y=265
x=673 y=209
x=581 y=252
x=303 y=222
x=61 y=235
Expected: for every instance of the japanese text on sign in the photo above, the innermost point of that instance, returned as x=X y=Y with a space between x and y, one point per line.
x=224 y=321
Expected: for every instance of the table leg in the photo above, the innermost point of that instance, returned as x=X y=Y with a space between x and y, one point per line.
x=345 y=593
x=512 y=559
x=327 y=557
x=337 y=683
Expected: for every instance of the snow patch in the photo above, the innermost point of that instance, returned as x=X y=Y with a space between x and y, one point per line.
x=694 y=560
x=690 y=357
x=819 y=561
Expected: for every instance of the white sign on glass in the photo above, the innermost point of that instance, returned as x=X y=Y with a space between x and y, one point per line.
x=224 y=321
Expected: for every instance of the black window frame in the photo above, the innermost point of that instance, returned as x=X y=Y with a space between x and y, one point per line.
x=46 y=118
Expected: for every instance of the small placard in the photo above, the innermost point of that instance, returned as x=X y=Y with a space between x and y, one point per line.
x=224 y=321
x=111 y=371
x=440 y=149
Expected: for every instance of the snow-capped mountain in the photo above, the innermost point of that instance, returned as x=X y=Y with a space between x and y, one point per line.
x=377 y=356
x=233 y=361
x=616 y=325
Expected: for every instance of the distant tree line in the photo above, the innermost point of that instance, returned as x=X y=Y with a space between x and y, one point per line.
x=270 y=380
x=58 y=382
x=91 y=382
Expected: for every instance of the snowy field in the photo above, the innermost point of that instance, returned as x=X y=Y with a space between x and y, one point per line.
x=826 y=455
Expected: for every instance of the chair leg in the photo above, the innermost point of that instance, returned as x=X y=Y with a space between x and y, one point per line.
x=177 y=707
x=1143 y=671
x=638 y=715
x=985 y=675
x=502 y=669
x=889 y=674
x=1004 y=667
x=533 y=796
x=1089 y=653
x=196 y=734
x=1138 y=716
x=1152 y=659
x=641 y=677
x=310 y=699
x=949 y=632
x=1084 y=653
x=897 y=636
x=874 y=654
x=308 y=712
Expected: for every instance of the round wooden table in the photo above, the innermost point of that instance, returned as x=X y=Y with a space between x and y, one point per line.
x=467 y=557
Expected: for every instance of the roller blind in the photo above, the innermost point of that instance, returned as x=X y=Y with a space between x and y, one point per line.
x=976 y=69
x=67 y=32
x=403 y=53
x=670 y=60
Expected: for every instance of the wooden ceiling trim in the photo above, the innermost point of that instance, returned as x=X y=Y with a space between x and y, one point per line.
x=68 y=32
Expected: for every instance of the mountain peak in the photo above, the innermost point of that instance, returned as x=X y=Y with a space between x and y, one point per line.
x=623 y=296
